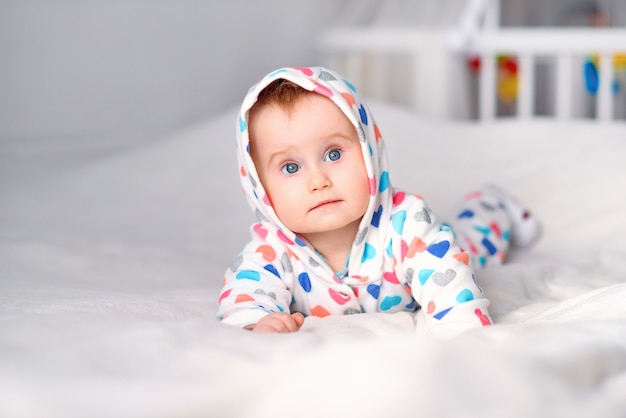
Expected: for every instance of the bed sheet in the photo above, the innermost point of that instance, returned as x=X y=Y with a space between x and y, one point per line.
x=112 y=255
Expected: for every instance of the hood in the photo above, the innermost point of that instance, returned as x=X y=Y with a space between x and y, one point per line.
x=366 y=256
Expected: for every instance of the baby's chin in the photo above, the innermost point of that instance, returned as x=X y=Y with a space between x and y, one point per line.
x=341 y=228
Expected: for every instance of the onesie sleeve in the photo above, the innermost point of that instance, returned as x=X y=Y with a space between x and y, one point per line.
x=253 y=286
x=440 y=274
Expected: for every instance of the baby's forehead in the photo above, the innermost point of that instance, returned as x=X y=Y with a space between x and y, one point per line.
x=314 y=118
x=299 y=108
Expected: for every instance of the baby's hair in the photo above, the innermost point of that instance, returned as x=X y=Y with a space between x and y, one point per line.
x=282 y=93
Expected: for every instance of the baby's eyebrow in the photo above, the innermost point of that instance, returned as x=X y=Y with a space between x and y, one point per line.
x=343 y=136
x=278 y=155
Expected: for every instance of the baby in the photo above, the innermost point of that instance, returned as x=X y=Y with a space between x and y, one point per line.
x=333 y=236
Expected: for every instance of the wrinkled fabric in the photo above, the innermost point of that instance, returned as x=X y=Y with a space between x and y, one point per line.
x=402 y=259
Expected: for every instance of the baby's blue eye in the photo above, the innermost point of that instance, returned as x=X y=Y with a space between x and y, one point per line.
x=290 y=168
x=333 y=155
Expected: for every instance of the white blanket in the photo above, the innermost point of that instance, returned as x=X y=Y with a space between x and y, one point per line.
x=112 y=254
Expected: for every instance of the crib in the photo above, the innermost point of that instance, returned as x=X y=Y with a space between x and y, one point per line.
x=439 y=67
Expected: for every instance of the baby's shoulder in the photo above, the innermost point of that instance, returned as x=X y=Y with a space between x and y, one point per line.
x=410 y=214
x=263 y=253
x=406 y=201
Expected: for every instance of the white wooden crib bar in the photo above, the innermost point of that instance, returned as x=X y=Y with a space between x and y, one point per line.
x=434 y=56
x=564 y=46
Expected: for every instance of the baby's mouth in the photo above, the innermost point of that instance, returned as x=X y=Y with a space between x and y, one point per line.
x=324 y=203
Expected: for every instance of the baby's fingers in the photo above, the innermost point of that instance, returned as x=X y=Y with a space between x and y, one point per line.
x=298 y=319
x=278 y=322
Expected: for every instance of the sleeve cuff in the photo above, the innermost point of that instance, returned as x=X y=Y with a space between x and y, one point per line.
x=244 y=317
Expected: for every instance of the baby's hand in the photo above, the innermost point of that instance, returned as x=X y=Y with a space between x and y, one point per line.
x=279 y=322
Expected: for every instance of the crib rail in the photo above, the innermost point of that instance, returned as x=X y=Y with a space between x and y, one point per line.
x=365 y=56
x=434 y=59
x=564 y=46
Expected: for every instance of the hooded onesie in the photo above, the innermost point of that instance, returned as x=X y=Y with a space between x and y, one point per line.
x=402 y=258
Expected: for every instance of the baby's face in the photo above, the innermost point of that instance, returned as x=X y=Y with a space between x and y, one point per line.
x=310 y=163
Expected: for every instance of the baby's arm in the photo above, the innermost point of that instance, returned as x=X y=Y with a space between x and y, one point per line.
x=441 y=276
x=254 y=287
